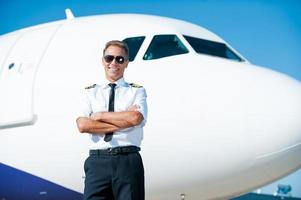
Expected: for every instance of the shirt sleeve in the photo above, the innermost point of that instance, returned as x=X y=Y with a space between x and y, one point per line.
x=140 y=101
x=85 y=109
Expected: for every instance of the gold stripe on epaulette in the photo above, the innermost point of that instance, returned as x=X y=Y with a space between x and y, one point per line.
x=135 y=85
x=91 y=86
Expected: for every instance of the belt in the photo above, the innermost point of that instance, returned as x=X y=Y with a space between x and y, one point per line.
x=115 y=150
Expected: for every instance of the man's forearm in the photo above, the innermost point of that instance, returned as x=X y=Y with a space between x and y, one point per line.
x=123 y=119
x=87 y=125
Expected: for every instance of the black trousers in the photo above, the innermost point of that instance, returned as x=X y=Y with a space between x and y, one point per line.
x=114 y=177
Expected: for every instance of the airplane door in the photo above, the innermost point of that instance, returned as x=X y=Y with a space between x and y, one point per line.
x=18 y=75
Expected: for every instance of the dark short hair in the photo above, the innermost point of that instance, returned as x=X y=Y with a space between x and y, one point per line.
x=118 y=43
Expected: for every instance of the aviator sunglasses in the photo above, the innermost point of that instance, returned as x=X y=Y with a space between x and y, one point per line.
x=110 y=58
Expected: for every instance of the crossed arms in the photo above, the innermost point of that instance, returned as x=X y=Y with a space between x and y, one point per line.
x=106 y=122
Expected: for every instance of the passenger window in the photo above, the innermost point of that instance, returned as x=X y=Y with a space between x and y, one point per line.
x=212 y=48
x=163 y=46
x=134 y=44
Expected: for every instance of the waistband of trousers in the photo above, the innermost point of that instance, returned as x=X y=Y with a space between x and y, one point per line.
x=115 y=150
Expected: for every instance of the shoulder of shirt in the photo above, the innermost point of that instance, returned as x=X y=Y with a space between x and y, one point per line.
x=90 y=86
x=134 y=85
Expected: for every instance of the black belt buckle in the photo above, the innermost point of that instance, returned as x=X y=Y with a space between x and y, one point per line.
x=109 y=149
x=115 y=150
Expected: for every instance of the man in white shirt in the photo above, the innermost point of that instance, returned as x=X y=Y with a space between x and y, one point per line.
x=114 y=114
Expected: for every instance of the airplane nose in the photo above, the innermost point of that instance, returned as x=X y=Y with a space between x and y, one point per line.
x=258 y=114
x=252 y=115
x=277 y=130
x=277 y=109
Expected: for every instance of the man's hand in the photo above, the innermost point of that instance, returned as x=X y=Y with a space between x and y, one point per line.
x=96 y=116
x=87 y=125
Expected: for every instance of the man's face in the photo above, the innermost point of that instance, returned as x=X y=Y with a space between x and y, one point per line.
x=114 y=68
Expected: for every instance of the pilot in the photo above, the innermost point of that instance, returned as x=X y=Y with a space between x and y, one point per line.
x=114 y=114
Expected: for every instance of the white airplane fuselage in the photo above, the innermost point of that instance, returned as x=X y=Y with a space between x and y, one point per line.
x=216 y=128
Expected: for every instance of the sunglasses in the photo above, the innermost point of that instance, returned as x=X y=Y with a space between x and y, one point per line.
x=110 y=58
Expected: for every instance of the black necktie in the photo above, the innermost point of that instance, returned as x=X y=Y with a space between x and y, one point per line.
x=109 y=136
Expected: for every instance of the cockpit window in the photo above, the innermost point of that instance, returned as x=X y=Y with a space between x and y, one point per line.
x=212 y=48
x=163 y=46
x=134 y=44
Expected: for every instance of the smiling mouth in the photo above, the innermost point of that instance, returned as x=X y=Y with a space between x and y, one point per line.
x=113 y=69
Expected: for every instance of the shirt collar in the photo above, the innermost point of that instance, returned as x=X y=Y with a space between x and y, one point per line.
x=119 y=83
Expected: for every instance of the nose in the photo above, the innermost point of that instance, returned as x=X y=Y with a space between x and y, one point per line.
x=114 y=61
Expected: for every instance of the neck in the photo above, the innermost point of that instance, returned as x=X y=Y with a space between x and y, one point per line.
x=111 y=80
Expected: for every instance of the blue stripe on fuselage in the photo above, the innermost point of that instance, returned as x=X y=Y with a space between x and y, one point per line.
x=19 y=185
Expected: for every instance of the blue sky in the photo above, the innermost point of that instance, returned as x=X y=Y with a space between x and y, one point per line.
x=266 y=32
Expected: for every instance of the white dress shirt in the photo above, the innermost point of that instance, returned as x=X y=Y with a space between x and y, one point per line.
x=96 y=99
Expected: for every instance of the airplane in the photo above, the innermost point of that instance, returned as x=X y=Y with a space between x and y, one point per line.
x=218 y=126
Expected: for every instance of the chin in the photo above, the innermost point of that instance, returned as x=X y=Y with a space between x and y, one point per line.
x=115 y=78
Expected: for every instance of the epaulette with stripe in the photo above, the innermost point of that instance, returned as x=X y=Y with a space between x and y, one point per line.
x=91 y=86
x=135 y=85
